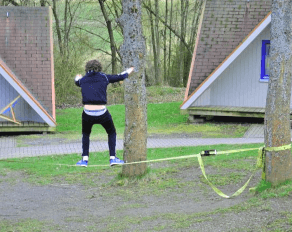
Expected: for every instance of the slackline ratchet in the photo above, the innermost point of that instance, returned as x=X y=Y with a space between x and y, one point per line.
x=260 y=164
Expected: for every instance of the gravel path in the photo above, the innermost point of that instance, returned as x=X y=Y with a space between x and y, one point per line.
x=189 y=206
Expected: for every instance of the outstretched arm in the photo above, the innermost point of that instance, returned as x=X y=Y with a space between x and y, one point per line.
x=129 y=70
x=121 y=76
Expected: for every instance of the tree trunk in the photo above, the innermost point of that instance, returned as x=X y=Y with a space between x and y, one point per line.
x=43 y=2
x=164 y=46
x=157 y=40
x=177 y=34
x=154 y=44
x=195 y=22
x=58 y=29
x=133 y=54
x=184 y=7
x=277 y=120
x=170 y=44
x=111 y=36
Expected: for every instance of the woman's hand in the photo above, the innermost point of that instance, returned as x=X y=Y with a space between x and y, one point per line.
x=78 y=77
x=130 y=70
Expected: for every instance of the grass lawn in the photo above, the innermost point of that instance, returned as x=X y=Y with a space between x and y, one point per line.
x=163 y=179
x=47 y=169
x=164 y=118
x=176 y=179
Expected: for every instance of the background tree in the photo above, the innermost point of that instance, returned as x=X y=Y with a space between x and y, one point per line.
x=181 y=31
x=87 y=29
x=277 y=120
x=111 y=36
x=183 y=22
x=133 y=54
x=68 y=50
x=154 y=25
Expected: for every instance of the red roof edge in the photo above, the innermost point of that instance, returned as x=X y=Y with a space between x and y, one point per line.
x=195 y=51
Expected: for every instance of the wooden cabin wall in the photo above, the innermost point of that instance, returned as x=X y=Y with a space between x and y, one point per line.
x=27 y=49
x=239 y=85
x=22 y=110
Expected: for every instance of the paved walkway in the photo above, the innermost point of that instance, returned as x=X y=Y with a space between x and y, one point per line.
x=9 y=149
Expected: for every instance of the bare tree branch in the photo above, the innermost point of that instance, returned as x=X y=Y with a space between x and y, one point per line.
x=13 y=2
x=90 y=32
x=170 y=28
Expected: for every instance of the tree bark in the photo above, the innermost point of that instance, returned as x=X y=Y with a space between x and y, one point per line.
x=277 y=119
x=154 y=45
x=184 y=8
x=164 y=46
x=170 y=41
x=157 y=40
x=58 y=29
x=133 y=54
x=154 y=26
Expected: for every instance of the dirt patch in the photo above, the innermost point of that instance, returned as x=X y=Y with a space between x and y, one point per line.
x=176 y=201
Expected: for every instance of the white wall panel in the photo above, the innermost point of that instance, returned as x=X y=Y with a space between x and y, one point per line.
x=22 y=110
x=239 y=84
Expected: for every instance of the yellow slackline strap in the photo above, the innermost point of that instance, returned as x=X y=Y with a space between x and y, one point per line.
x=143 y=161
x=261 y=153
x=235 y=151
x=260 y=163
x=200 y=160
x=218 y=191
x=281 y=148
x=261 y=156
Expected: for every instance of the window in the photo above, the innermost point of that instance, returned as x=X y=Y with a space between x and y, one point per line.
x=265 y=65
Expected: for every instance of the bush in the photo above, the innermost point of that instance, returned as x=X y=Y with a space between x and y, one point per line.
x=65 y=71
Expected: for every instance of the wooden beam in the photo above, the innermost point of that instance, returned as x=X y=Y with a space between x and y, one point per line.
x=9 y=105
x=27 y=129
x=10 y=119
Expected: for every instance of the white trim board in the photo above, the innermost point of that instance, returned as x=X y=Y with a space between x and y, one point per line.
x=27 y=98
x=225 y=65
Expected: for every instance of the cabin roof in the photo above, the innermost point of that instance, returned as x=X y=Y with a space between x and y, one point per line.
x=26 y=53
x=11 y=78
x=225 y=26
x=228 y=60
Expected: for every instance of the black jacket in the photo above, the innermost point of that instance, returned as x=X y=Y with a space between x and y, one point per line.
x=94 y=86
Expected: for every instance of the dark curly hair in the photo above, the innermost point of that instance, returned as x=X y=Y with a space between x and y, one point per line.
x=93 y=65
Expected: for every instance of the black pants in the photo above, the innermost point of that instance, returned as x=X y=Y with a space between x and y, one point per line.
x=107 y=122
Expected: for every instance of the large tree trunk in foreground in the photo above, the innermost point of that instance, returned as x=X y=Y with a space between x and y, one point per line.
x=133 y=54
x=277 y=121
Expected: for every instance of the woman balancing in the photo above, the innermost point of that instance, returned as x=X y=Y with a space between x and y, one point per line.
x=94 y=97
